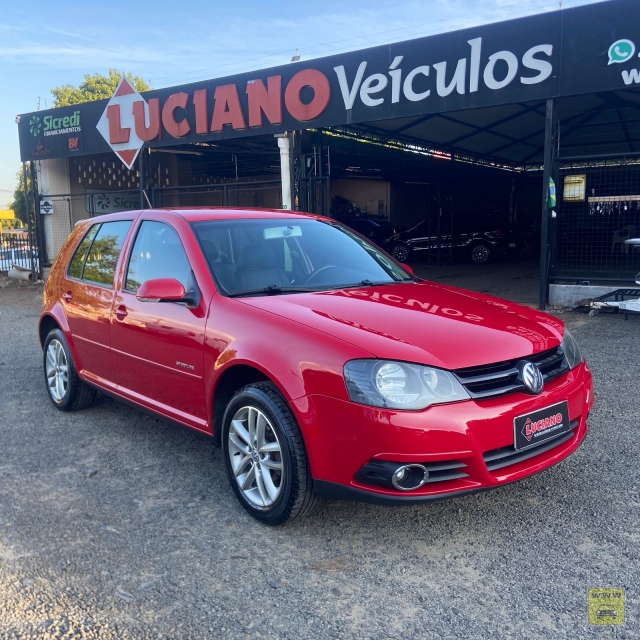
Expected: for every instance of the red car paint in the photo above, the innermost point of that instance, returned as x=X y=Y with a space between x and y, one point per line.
x=169 y=359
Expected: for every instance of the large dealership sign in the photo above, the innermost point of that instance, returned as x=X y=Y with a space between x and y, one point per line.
x=580 y=50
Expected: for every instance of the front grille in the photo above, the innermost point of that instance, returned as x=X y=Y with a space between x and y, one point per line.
x=496 y=379
x=450 y=470
x=379 y=472
x=506 y=456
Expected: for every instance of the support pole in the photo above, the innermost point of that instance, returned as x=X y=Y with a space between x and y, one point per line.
x=285 y=169
x=40 y=238
x=30 y=220
x=142 y=170
x=294 y=143
x=549 y=159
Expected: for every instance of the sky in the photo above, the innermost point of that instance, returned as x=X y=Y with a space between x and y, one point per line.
x=47 y=44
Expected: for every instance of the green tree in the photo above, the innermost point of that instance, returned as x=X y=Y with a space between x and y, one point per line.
x=18 y=204
x=94 y=87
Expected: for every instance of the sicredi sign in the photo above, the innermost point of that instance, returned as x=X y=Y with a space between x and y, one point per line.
x=559 y=53
x=99 y=202
x=53 y=126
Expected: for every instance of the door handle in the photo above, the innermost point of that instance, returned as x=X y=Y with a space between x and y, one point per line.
x=68 y=296
x=121 y=312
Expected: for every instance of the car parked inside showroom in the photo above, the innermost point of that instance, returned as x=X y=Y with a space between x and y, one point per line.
x=477 y=246
x=322 y=366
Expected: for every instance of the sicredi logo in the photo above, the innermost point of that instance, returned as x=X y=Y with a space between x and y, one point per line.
x=57 y=126
x=103 y=202
x=35 y=126
x=109 y=202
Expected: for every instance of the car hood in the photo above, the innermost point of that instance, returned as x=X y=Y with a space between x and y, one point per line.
x=422 y=322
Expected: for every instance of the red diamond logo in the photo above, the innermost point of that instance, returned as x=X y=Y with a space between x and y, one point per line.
x=123 y=98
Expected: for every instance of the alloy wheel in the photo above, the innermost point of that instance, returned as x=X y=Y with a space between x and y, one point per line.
x=400 y=253
x=256 y=457
x=480 y=254
x=57 y=370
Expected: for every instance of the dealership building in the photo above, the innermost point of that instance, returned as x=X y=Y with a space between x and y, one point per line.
x=530 y=126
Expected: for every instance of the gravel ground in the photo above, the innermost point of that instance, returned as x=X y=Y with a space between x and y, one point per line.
x=114 y=524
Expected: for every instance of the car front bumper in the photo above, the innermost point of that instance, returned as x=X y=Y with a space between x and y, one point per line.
x=342 y=437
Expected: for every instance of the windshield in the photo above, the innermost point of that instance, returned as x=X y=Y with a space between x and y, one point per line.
x=254 y=257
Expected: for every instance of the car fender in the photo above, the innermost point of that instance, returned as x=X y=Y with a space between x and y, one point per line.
x=298 y=359
x=57 y=314
x=311 y=376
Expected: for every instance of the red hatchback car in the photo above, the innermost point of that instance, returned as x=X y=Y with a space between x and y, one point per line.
x=322 y=366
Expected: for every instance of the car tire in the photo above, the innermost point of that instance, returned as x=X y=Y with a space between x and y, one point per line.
x=400 y=252
x=64 y=387
x=480 y=253
x=265 y=455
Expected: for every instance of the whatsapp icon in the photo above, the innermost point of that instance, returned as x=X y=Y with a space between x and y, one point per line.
x=621 y=51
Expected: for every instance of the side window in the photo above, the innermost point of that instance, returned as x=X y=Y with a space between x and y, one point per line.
x=157 y=253
x=77 y=262
x=101 y=262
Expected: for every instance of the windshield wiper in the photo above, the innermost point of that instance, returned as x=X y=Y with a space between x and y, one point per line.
x=274 y=290
x=368 y=283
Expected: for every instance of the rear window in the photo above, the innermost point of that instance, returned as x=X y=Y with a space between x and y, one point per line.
x=77 y=262
x=97 y=255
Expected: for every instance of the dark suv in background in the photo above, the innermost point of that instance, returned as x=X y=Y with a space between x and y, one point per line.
x=477 y=246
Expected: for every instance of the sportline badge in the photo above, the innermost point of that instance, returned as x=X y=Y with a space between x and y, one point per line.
x=606 y=606
x=124 y=120
x=539 y=426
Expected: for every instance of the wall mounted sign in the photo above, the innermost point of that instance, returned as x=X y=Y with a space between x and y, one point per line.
x=584 y=49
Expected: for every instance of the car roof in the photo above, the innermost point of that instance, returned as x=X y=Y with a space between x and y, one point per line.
x=196 y=214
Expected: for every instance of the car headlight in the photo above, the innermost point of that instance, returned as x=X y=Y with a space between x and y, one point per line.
x=571 y=350
x=400 y=385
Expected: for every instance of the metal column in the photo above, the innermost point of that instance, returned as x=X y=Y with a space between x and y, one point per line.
x=142 y=170
x=30 y=219
x=285 y=169
x=39 y=231
x=549 y=164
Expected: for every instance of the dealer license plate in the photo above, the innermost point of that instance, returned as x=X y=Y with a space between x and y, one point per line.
x=539 y=426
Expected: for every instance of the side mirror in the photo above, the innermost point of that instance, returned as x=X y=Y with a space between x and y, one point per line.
x=407 y=267
x=161 y=290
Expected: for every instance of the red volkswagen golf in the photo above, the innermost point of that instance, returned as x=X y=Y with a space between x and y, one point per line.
x=320 y=365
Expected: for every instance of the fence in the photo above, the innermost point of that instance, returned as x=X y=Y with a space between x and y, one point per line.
x=263 y=193
x=15 y=250
x=66 y=210
x=598 y=209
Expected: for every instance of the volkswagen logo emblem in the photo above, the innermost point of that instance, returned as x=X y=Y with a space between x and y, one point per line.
x=531 y=377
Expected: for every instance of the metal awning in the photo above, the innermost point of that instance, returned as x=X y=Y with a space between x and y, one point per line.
x=602 y=124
